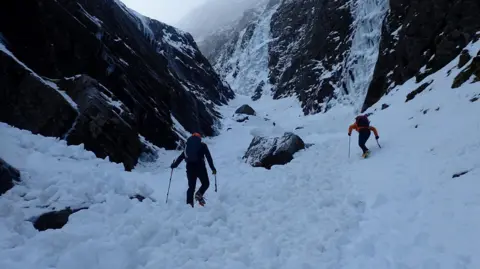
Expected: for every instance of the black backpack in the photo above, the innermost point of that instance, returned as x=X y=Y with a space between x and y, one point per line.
x=193 y=148
x=363 y=121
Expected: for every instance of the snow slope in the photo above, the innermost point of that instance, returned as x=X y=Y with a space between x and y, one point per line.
x=399 y=209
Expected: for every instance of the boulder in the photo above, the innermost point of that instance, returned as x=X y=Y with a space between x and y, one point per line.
x=268 y=151
x=54 y=219
x=104 y=125
x=8 y=176
x=246 y=109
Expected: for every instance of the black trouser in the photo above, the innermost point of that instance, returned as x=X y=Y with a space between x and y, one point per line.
x=195 y=171
x=363 y=135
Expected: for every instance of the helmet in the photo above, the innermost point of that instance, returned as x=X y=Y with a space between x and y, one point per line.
x=197 y=135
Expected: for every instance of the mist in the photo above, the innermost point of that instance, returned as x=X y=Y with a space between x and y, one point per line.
x=214 y=15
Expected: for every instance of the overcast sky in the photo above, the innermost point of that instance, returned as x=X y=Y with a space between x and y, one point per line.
x=167 y=11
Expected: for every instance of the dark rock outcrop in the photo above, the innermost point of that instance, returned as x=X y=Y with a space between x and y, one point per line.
x=141 y=198
x=153 y=69
x=464 y=58
x=104 y=125
x=29 y=102
x=8 y=176
x=54 y=219
x=472 y=71
x=246 y=109
x=418 y=33
x=266 y=152
x=258 y=91
x=460 y=174
x=414 y=93
x=310 y=39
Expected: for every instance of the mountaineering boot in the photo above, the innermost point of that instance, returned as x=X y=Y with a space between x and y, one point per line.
x=366 y=154
x=200 y=199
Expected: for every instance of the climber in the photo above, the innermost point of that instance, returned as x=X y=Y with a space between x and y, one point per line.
x=362 y=126
x=194 y=155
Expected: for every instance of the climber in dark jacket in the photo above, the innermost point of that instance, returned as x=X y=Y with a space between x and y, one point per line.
x=194 y=155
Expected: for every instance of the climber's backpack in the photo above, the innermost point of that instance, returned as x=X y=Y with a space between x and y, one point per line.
x=362 y=121
x=192 y=150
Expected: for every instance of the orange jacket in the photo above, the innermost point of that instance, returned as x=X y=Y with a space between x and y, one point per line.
x=355 y=126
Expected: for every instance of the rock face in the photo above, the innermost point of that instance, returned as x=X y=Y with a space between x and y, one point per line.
x=325 y=52
x=151 y=70
x=30 y=102
x=104 y=125
x=266 y=152
x=8 y=176
x=309 y=48
x=415 y=34
x=320 y=51
x=246 y=109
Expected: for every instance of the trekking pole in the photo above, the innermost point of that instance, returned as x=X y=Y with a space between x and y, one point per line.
x=215 y=183
x=349 y=142
x=378 y=144
x=170 y=182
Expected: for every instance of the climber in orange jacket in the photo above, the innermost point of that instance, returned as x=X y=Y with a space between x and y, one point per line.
x=362 y=126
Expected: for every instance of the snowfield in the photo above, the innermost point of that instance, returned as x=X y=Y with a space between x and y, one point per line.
x=401 y=208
